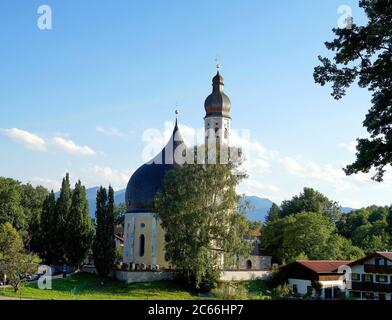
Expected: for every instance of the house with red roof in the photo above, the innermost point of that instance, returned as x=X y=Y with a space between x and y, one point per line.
x=316 y=278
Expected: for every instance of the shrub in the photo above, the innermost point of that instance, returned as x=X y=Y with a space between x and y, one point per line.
x=282 y=291
x=230 y=291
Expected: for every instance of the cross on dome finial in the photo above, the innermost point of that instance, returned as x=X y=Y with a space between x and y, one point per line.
x=177 y=112
x=217 y=63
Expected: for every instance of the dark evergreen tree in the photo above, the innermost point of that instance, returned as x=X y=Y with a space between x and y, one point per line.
x=104 y=247
x=80 y=232
x=48 y=229
x=273 y=213
x=63 y=206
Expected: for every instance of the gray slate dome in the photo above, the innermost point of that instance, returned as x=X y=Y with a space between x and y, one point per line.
x=148 y=179
x=217 y=103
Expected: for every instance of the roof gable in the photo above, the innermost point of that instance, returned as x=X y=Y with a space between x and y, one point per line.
x=324 y=266
x=386 y=255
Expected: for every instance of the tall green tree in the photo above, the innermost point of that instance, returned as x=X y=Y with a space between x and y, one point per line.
x=80 y=231
x=11 y=209
x=364 y=54
x=311 y=200
x=306 y=234
x=198 y=209
x=48 y=227
x=63 y=206
x=104 y=247
x=32 y=199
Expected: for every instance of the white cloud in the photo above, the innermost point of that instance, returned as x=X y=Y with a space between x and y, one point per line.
x=50 y=184
x=96 y=175
x=350 y=147
x=35 y=142
x=110 y=131
x=255 y=185
x=28 y=139
x=309 y=170
x=70 y=147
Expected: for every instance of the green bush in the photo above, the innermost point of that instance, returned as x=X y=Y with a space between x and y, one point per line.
x=230 y=291
x=282 y=291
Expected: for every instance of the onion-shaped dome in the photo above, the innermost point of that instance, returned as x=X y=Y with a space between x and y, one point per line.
x=148 y=179
x=217 y=103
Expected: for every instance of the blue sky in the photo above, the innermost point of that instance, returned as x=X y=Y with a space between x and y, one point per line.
x=79 y=97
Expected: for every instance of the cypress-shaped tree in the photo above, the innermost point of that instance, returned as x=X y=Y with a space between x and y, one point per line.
x=48 y=228
x=63 y=206
x=80 y=232
x=104 y=247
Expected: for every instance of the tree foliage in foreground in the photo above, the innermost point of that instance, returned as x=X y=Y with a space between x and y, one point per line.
x=14 y=263
x=198 y=208
x=364 y=54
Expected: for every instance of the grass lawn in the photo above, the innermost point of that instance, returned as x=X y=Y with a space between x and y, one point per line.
x=89 y=287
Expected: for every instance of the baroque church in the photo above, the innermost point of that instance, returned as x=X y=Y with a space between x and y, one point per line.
x=144 y=238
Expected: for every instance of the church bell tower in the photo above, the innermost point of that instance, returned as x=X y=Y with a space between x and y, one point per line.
x=217 y=121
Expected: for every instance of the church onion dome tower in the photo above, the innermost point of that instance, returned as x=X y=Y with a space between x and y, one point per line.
x=217 y=121
x=217 y=103
x=148 y=179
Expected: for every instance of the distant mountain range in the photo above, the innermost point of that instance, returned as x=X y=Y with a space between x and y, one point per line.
x=259 y=207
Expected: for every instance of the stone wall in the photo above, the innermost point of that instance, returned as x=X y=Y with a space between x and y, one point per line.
x=256 y=263
x=242 y=275
x=151 y=276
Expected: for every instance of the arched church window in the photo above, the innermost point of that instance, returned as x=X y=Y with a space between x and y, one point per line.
x=141 y=245
x=226 y=133
x=142 y=225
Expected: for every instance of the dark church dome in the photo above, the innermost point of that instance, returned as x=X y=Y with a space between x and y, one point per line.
x=148 y=179
x=217 y=103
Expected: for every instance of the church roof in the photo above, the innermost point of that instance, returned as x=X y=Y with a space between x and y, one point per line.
x=148 y=179
x=217 y=103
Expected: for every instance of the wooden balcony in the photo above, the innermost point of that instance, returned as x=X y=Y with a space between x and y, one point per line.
x=369 y=286
x=372 y=268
